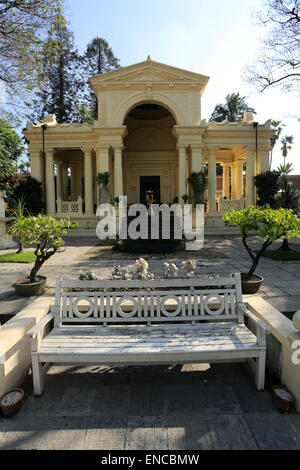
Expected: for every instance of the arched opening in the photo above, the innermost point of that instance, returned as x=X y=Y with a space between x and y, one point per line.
x=150 y=156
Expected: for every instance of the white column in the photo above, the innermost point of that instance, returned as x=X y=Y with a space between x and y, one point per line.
x=102 y=165
x=239 y=180
x=264 y=160
x=212 y=180
x=88 y=182
x=65 y=179
x=118 y=172
x=73 y=183
x=249 y=177
x=36 y=165
x=50 y=185
x=226 y=181
x=197 y=158
x=59 y=180
x=182 y=183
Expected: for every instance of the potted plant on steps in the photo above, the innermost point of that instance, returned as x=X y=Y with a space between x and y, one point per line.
x=267 y=224
x=45 y=233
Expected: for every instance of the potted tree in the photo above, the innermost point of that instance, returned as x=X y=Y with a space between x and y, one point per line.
x=267 y=224
x=45 y=233
x=198 y=182
x=103 y=181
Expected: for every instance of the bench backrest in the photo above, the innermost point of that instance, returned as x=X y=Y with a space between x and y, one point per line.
x=165 y=300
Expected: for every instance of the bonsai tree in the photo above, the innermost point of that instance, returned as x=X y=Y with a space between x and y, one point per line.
x=45 y=233
x=198 y=182
x=268 y=224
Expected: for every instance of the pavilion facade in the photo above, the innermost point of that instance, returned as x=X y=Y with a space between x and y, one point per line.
x=149 y=136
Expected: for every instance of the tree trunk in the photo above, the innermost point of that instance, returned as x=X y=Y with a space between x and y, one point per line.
x=285 y=245
x=21 y=246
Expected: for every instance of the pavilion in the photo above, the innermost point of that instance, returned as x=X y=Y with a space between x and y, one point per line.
x=149 y=136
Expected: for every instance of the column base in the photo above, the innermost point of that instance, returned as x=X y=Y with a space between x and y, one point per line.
x=214 y=220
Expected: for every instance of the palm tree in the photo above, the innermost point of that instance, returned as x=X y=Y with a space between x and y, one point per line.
x=232 y=110
x=277 y=126
x=286 y=145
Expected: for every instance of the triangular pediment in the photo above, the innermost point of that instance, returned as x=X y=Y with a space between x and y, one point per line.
x=150 y=73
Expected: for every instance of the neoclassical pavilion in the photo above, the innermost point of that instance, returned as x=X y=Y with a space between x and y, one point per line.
x=149 y=136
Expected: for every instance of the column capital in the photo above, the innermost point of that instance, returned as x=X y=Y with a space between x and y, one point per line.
x=196 y=146
x=181 y=146
x=211 y=147
x=118 y=146
x=86 y=148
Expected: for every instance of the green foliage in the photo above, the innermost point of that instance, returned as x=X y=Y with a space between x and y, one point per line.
x=285 y=169
x=45 y=233
x=99 y=58
x=63 y=81
x=103 y=178
x=15 y=226
x=267 y=187
x=23 y=28
x=288 y=197
x=29 y=190
x=11 y=148
x=233 y=110
x=85 y=115
x=26 y=257
x=286 y=144
x=198 y=182
x=268 y=224
x=185 y=198
x=175 y=200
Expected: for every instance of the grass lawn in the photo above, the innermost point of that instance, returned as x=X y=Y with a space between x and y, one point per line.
x=282 y=255
x=27 y=257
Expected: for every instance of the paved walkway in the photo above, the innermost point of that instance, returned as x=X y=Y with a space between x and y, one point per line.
x=150 y=408
x=176 y=407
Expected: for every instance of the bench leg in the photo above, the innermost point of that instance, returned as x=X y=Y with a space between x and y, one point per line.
x=260 y=371
x=38 y=376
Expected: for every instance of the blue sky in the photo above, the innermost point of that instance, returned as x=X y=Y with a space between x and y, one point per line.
x=216 y=38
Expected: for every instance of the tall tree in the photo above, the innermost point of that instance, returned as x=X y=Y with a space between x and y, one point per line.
x=278 y=62
x=23 y=28
x=99 y=58
x=286 y=145
x=232 y=110
x=63 y=82
x=277 y=126
x=11 y=149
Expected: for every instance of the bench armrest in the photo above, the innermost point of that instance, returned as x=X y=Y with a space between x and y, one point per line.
x=35 y=330
x=261 y=329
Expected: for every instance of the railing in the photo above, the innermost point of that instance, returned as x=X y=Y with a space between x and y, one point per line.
x=226 y=205
x=70 y=208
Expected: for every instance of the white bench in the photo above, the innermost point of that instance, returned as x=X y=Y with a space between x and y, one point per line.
x=148 y=322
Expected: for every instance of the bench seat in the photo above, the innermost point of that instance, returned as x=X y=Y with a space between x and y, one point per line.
x=132 y=343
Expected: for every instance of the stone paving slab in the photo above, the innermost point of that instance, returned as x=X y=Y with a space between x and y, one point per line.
x=193 y=407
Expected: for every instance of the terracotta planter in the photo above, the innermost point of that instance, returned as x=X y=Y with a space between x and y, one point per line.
x=11 y=407
x=252 y=285
x=25 y=288
x=283 y=399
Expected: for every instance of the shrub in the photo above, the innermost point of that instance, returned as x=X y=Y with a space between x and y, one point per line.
x=268 y=224
x=45 y=233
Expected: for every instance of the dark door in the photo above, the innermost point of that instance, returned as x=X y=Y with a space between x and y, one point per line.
x=150 y=189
